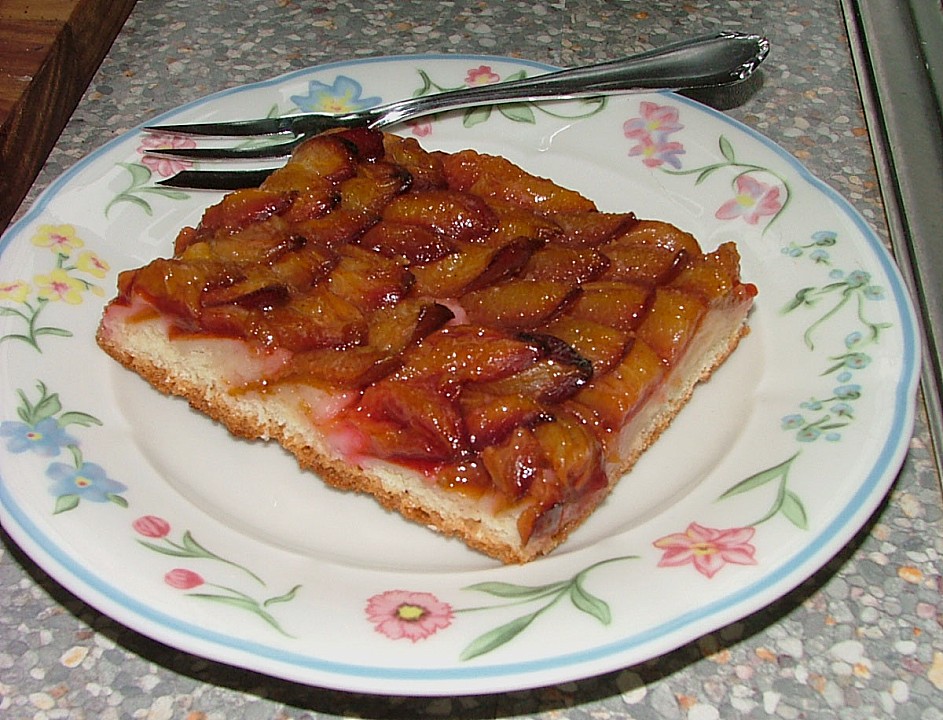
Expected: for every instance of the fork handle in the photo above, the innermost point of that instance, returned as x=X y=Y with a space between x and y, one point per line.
x=707 y=61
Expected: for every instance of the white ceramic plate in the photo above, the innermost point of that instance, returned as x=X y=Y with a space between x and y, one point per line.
x=219 y=547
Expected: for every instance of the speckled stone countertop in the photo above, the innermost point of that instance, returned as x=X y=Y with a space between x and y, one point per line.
x=861 y=639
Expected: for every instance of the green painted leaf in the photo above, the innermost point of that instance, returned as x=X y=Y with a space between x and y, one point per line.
x=477 y=115
x=518 y=112
x=759 y=479
x=118 y=500
x=165 y=549
x=726 y=149
x=78 y=418
x=499 y=636
x=134 y=200
x=64 y=503
x=168 y=193
x=194 y=547
x=140 y=174
x=287 y=597
x=589 y=603
x=794 y=510
x=59 y=332
x=48 y=406
x=509 y=590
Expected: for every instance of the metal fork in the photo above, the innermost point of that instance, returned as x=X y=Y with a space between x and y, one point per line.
x=709 y=61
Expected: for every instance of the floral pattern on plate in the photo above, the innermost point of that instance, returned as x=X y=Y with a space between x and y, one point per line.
x=749 y=523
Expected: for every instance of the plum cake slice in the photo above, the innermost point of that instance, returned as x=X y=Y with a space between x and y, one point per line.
x=480 y=349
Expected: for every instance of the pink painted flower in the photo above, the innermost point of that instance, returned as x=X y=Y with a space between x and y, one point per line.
x=164 y=166
x=708 y=549
x=403 y=614
x=655 y=153
x=420 y=128
x=151 y=526
x=753 y=201
x=482 y=75
x=655 y=120
x=183 y=579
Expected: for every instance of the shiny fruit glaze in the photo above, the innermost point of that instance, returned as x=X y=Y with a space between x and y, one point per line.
x=495 y=329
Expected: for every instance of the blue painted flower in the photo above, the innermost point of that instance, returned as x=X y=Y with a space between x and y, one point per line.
x=842 y=409
x=89 y=482
x=856 y=361
x=820 y=256
x=792 y=250
x=811 y=405
x=341 y=97
x=791 y=422
x=836 y=274
x=873 y=292
x=843 y=377
x=808 y=434
x=833 y=436
x=858 y=278
x=853 y=338
x=825 y=238
x=45 y=437
x=848 y=392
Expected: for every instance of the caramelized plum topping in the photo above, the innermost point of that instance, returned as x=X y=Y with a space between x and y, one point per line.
x=602 y=345
x=325 y=156
x=549 y=381
x=515 y=463
x=566 y=264
x=619 y=305
x=496 y=177
x=614 y=396
x=373 y=187
x=490 y=418
x=339 y=227
x=574 y=454
x=175 y=287
x=713 y=275
x=506 y=262
x=590 y=229
x=671 y=322
x=643 y=264
x=662 y=234
x=244 y=207
x=395 y=327
x=185 y=238
x=454 y=215
x=368 y=280
x=412 y=421
x=366 y=144
x=392 y=329
x=518 y=222
x=424 y=167
x=467 y=477
x=459 y=354
x=416 y=244
x=517 y=304
x=312 y=195
x=451 y=274
x=317 y=319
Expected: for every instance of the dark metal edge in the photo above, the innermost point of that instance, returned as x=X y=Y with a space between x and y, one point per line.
x=894 y=46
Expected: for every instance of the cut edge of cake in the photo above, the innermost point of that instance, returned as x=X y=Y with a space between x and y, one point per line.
x=191 y=369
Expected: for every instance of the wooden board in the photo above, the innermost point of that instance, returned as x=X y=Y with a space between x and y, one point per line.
x=49 y=50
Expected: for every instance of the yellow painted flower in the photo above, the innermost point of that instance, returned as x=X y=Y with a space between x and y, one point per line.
x=61 y=239
x=17 y=291
x=58 y=285
x=92 y=264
